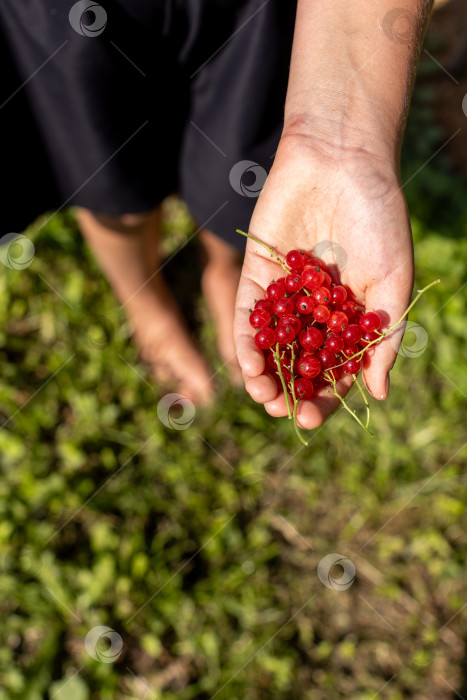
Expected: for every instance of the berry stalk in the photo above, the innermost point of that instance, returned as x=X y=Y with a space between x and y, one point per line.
x=394 y=325
x=365 y=400
x=295 y=400
x=277 y=358
x=335 y=393
x=271 y=252
x=383 y=335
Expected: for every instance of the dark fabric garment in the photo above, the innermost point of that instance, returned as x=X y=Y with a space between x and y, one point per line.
x=138 y=99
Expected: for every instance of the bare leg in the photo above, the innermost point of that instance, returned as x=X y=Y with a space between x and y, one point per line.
x=220 y=283
x=127 y=249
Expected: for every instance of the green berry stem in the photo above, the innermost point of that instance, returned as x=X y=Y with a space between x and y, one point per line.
x=271 y=252
x=345 y=404
x=391 y=328
x=381 y=336
x=295 y=400
x=275 y=352
x=365 y=400
x=297 y=429
x=411 y=305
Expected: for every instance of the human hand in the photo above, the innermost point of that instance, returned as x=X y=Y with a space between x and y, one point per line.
x=313 y=194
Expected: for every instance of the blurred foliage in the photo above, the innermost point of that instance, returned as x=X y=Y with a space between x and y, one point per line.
x=200 y=547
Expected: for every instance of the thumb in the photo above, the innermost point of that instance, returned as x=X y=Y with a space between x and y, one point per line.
x=389 y=298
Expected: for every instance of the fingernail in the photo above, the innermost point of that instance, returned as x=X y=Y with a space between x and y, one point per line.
x=382 y=397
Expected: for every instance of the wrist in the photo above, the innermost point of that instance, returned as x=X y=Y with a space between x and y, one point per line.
x=313 y=155
x=343 y=135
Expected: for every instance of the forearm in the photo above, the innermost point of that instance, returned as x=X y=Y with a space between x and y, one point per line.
x=352 y=71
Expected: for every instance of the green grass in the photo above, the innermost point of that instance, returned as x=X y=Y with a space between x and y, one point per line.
x=200 y=547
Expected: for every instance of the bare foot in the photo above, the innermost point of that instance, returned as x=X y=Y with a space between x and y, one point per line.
x=127 y=248
x=219 y=283
x=166 y=344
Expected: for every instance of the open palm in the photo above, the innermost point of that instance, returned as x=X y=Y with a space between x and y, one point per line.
x=351 y=210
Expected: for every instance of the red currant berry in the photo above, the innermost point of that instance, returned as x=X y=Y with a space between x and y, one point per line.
x=271 y=361
x=264 y=304
x=312 y=277
x=334 y=342
x=285 y=334
x=336 y=373
x=352 y=334
x=311 y=261
x=277 y=380
x=368 y=337
x=260 y=318
x=321 y=313
x=352 y=366
x=295 y=258
x=265 y=338
x=309 y=367
x=295 y=366
x=357 y=316
x=287 y=376
x=337 y=321
x=283 y=306
x=276 y=290
x=311 y=339
x=327 y=279
x=319 y=383
x=350 y=350
x=348 y=308
x=321 y=295
x=303 y=389
x=369 y=322
x=339 y=294
x=293 y=282
x=327 y=358
x=305 y=304
x=295 y=345
x=291 y=320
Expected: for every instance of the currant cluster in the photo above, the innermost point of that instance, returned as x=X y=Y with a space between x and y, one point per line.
x=311 y=330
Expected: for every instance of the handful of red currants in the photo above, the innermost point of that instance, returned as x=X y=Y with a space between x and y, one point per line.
x=313 y=331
